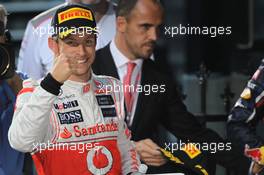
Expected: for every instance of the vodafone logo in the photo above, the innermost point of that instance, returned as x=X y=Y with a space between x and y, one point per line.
x=99 y=160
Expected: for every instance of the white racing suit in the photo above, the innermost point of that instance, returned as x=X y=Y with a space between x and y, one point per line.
x=79 y=131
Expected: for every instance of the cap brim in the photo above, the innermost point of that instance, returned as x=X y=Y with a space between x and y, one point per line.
x=79 y=30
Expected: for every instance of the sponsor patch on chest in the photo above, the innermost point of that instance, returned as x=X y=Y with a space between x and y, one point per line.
x=104 y=100
x=109 y=112
x=70 y=117
x=66 y=105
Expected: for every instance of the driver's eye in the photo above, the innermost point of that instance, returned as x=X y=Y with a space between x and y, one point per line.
x=89 y=43
x=72 y=43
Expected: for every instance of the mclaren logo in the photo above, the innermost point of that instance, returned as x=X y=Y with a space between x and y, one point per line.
x=99 y=160
x=98 y=84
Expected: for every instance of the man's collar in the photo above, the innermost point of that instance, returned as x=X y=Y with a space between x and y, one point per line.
x=77 y=85
x=119 y=58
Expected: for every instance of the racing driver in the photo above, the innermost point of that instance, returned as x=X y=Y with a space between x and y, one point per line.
x=244 y=117
x=71 y=107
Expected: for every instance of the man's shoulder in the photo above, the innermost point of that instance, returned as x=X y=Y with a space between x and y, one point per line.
x=101 y=59
x=24 y=94
x=105 y=51
x=47 y=15
x=157 y=75
x=28 y=86
x=152 y=68
x=106 y=80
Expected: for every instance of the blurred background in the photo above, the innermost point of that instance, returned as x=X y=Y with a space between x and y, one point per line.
x=211 y=71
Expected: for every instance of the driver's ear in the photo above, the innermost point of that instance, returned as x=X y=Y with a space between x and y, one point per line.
x=54 y=46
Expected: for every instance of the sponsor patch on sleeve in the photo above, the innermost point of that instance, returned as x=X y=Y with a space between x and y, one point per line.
x=246 y=94
x=109 y=112
x=191 y=150
x=256 y=75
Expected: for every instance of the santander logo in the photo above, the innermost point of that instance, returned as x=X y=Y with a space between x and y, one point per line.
x=65 y=134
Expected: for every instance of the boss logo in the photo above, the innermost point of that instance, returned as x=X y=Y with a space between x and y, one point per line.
x=70 y=117
x=70 y=104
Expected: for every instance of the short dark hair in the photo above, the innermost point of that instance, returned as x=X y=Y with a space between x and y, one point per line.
x=124 y=7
